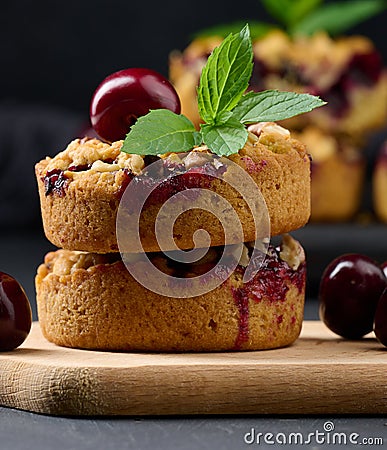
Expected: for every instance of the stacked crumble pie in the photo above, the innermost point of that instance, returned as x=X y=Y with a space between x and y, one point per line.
x=88 y=299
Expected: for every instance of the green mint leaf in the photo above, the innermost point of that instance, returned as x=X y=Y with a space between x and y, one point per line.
x=270 y=106
x=161 y=131
x=225 y=139
x=257 y=29
x=223 y=117
x=335 y=18
x=226 y=76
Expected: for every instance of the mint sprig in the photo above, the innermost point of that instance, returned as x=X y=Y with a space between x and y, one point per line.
x=226 y=138
x=223 y=106
x=272 y=105
x=226 y=76
x=161 y=131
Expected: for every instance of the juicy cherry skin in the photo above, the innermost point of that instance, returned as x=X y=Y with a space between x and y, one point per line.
x=124 y=96
x=380 y=325
x=15 y=313
x=384 y=268
x=349 y=291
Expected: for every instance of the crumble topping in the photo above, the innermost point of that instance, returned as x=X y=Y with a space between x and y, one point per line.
x=269 y=128
x=244 y=259
x=96 y=155
x=291 y=252
x=196 y=159
x=66 y=262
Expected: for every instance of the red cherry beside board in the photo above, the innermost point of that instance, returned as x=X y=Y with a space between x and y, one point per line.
x=350 y=292
x=15 y=313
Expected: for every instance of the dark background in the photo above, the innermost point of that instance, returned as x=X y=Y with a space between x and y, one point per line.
x=53 y=54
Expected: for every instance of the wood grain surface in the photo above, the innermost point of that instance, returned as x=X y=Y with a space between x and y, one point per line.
x=319 y=374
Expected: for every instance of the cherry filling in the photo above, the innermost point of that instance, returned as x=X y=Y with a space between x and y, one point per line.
x=79 y=168
x=253 y=167
x=269 y=283
x=170 y=178
x=55 y=181
x=128 y=177
x=167 y=179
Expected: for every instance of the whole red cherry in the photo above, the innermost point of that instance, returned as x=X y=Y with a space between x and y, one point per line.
x=124 y=96
x=15 y=313
x=350 y=288
x=380 y=325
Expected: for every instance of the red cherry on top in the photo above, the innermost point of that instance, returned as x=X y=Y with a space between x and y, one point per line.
x=124 y=96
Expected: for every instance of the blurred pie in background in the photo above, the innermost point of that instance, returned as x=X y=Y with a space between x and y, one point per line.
x=347 y=72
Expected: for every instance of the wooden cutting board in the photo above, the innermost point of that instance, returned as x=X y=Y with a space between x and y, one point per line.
x=319 y=374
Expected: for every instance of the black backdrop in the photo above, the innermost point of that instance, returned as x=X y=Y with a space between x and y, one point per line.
x=54 y=53
x=57 y=52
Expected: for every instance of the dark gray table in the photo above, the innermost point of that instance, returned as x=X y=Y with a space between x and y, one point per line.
x=20 y=254
x=21 y=431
